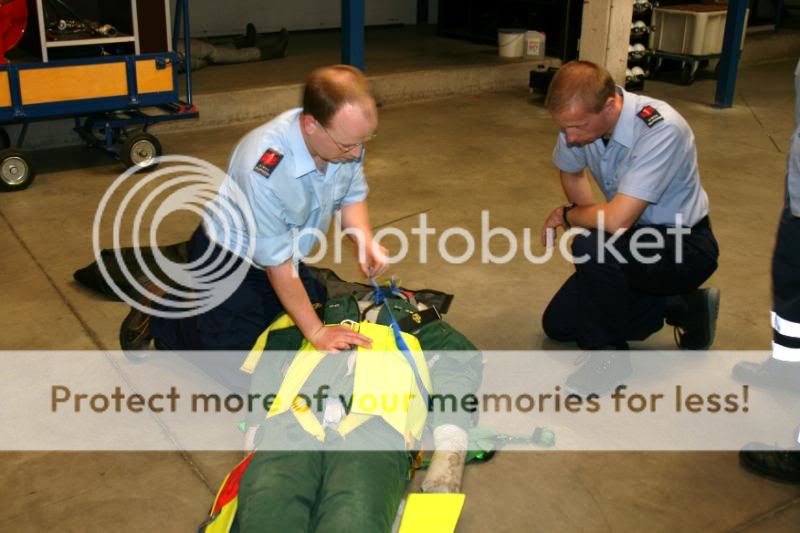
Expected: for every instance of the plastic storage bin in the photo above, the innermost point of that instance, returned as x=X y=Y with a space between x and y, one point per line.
x=693 y=29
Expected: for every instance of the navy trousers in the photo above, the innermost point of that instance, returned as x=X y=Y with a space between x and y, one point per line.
x=234 y=325
x=786 y=284
x=606 y=303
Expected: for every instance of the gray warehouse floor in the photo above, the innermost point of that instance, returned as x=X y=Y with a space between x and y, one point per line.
x=451 y=159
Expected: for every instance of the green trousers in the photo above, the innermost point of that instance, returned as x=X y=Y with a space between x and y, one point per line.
x=327 y=489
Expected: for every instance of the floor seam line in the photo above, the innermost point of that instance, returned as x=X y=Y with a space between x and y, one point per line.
x=385 y=224
x=765 y=515
x=101 y=347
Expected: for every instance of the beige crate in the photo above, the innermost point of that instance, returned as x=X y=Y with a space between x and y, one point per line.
x=694 y=29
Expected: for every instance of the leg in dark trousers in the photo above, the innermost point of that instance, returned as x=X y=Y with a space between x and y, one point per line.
x=609 y=301
x=234 y=325
x=615 y=298
x=783 y=368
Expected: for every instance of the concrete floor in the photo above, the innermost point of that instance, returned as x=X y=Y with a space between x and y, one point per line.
x=451 y=159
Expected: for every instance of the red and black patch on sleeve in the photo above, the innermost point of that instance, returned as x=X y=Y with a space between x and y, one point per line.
x=650 y=116
x=268 y=162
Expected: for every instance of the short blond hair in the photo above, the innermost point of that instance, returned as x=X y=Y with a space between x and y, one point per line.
x=580 y=83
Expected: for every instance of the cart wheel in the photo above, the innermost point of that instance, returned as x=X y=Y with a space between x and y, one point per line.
x=140 y=150
x=688 y=70
x=656 y=66
x=16 y=170
x=5 y=140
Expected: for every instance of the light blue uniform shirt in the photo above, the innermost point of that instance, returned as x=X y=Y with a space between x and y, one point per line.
x=793 y=163
x=295 y=195
x=657 y=164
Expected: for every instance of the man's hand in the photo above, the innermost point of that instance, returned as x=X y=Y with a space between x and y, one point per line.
x=375 y=261
x=335 y=338
x=553 y=221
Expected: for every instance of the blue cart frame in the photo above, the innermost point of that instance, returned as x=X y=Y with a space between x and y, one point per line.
x=101 y=122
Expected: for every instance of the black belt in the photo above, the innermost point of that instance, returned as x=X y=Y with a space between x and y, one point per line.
x=414 y=321
x=704 y=223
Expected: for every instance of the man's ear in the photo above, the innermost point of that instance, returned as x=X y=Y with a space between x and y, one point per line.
x=309 y=123
x=609 y=105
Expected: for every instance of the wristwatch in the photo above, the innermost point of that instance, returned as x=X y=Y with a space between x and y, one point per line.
x=564 y=215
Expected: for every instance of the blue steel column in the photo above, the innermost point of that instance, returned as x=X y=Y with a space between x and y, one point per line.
x=731 y=50
x=353 y=33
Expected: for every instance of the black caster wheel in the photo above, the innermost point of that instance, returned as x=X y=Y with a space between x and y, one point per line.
x=655 y=66
x=5 y=140
x=16 y=170
x=688 y=70
x=140 y=151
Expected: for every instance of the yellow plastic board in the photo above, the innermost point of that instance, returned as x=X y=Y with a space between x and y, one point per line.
x=431 y=513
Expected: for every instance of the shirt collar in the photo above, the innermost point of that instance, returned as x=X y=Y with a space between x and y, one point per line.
x=623 y=131
x=303 y=162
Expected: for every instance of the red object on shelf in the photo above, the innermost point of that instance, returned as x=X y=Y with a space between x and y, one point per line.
x=13 y=19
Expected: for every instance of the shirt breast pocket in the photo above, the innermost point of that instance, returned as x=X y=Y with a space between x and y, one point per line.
x=340 y=188
x=298 y=213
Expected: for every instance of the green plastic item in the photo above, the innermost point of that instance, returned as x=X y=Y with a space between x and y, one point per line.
x=485 y=442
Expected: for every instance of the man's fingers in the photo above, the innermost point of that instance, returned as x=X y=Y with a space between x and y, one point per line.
x=344 y=337
x=360 y=340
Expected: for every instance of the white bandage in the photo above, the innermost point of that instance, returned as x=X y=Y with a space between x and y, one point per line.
x=447 y=464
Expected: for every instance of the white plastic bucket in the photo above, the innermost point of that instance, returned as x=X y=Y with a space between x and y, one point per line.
x=534 y=45
x=511 y=42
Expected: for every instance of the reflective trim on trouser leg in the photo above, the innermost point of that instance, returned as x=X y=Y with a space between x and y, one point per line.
x=785 y=327
x=782 y=353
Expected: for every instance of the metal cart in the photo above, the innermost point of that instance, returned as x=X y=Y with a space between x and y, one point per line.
x=112 y=99
x=690 y=64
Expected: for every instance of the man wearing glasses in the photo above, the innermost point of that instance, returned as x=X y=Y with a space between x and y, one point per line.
x=295 y=172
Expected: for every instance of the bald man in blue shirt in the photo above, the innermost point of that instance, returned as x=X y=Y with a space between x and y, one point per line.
x=294 y=173
x=654 y=215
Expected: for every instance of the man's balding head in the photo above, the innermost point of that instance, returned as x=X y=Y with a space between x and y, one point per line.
x=328 y=89
x=581 y=85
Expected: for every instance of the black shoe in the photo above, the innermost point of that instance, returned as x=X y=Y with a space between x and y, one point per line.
x=697 y=327
x=600 y=374
x=771 y=462
x=771 y=373
x=250 y=36
x=134 y=332
x=277 y=49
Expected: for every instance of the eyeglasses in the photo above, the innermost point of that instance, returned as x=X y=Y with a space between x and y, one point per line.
x=345 y=148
